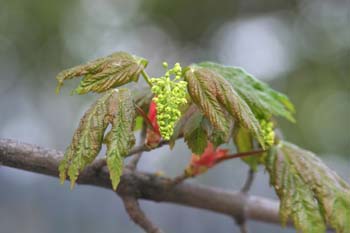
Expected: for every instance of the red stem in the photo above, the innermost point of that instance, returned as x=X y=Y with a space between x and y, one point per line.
x=240 y=155
x=144 y=116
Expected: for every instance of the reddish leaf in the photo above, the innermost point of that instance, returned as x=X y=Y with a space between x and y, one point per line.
x=200 y=163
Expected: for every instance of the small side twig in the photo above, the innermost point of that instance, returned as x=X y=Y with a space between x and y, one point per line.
x=184 y=176
x=179 y=179
x=132 y=207
x=249 y=181
x=241 y=219
x=243 y=228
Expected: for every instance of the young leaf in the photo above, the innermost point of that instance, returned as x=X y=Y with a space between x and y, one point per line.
x=194 y=134
x=120 y=139
x=200 y=163
x=87 y=140
x=244 y=143
x=105 y=73
x=138 y=123
x=216 y=136
x=310 y=193
x=216 y=97
x=260 y=97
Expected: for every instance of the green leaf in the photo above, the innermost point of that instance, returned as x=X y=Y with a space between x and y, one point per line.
x=194 y=134
x=311 y=194
x=216 y=97
x=260 y=97
x=138 y=123
x=103 y=74
x=87 y=140
x=120 y=139
x=244 y=143
x=215 y=136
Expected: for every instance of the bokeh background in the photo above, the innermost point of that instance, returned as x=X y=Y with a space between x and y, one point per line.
x=301 y=47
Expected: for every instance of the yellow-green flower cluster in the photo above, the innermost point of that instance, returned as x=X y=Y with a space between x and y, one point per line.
x=169 y=94
x=268 y=132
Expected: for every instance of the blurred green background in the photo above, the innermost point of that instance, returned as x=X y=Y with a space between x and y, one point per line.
x=301 y=48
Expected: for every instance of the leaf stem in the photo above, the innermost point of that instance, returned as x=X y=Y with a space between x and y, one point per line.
x=146 y=77
x=241 y=155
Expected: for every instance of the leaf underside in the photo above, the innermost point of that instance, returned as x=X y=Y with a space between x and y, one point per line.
x=217 y=99
x=115 y=108
x=87 y=139
x=263 y=100
x=194 y=134
x=120 y=139
x=244 y=143
x=311 y=194
x=105 y=73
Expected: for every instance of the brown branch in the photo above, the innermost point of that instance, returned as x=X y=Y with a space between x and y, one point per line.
x=179 y=179
x=132 y=207
x=243 y=228
x=249 y=181
x=241 y=220
x=141 y=185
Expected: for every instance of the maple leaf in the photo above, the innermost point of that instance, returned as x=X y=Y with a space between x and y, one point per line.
x=153 y=136
x=210 y=157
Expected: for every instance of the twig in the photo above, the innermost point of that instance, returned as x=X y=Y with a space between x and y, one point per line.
x=241 y=220
x=243 y=228
x=241 y=155
x=133 y=209
x=144 y=116
x=179 y=179
x=249 y=181
x=185 y=176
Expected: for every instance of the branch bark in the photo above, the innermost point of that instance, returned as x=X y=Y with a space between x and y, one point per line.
x=132 y=207
x=141 y=185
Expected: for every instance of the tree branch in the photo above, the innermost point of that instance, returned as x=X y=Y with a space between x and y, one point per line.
x=249 y=181
x=141 y=185
x=241 y=219
x=138 y=216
